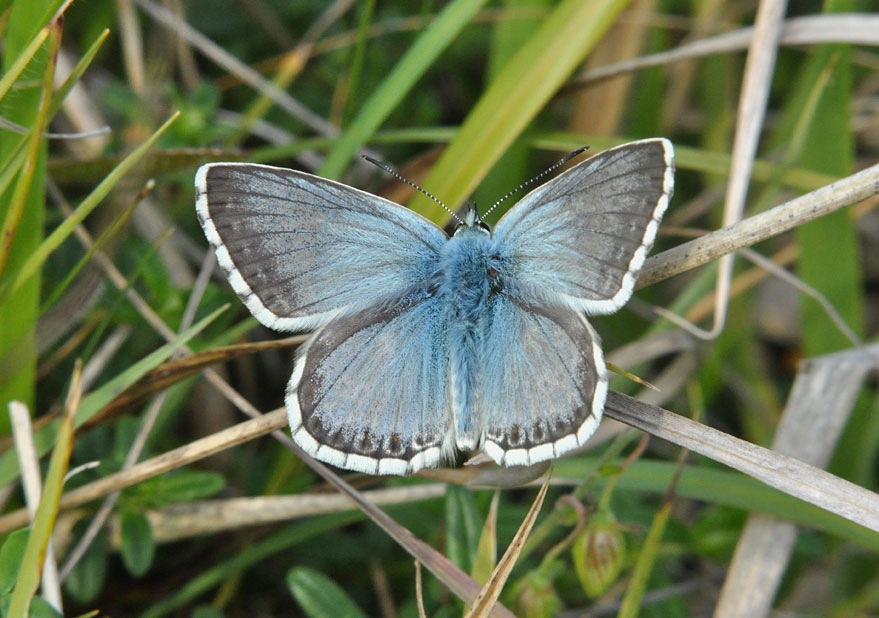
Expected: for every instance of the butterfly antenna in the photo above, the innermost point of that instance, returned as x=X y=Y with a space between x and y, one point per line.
x=399 y=176
x=551 y=168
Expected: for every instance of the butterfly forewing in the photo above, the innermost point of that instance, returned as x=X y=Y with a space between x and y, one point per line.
x=298 y=249
x=581 y=238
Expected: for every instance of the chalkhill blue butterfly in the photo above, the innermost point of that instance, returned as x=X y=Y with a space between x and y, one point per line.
x=425 y=344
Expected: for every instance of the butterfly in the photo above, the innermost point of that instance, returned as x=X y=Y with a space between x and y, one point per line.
x=424 y=344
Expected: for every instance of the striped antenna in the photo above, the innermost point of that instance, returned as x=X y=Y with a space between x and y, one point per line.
x=553 y=167
x=399 y=176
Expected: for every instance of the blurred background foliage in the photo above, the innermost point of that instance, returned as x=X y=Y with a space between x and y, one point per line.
x=468 y=98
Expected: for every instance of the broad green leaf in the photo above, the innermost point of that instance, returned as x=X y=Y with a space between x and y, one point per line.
x=19 y=315
x=180 y=486
x=11 y=555
x=87 y=578
x=320 y=596
x=138 y=544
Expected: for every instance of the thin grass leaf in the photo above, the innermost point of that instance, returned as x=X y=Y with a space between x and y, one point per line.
x=491 y=591
x=35 y=261
x=462 y=526
x=32 y=152
x=77 y=72
x=14 y=158
x=406 y=72
x=486 y=552
x=829 y=147
x=646 y=559
x=117 y=224
x=22 y=60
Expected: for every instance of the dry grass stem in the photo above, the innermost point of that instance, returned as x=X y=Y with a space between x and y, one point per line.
x=855 y=28
x=790 y=475
x=29 y=463
x=817 y=411
x=777 y=220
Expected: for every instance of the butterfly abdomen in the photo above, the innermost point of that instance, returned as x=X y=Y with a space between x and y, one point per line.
x=469 y=277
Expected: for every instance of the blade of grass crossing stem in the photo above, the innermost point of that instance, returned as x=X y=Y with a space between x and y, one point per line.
x=92 y=404
x=515 y=97
x=83 y=210
x=33 y=152
x=15 y=157
x=405 y=74
x=490 y=593
x=646 y=559
x=22 y=60
x=114 y=227
x=44 y=520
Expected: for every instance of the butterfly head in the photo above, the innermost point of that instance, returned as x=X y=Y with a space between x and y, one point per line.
x=472 y=222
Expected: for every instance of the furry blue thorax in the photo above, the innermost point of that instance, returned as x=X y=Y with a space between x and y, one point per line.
x=464 y=267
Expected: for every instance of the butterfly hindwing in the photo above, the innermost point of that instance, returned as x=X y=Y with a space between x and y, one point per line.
x=298 y=249
x=581 y=238
x=542 y=382
x=369 y=391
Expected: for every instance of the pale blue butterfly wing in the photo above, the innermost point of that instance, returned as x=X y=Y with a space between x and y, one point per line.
x=369 y=391
x=299 y=249
x=581 y=238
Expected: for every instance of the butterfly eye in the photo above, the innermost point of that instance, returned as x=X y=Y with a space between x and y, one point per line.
x=482 y=225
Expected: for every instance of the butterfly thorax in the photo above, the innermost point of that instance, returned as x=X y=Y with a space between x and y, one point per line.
x=468 y=271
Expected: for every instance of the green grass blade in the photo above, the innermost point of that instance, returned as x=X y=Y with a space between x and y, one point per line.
x=646 y=559
x=402 y=78
x=35 y=261
x=115 y=227
x=23 y=59
x=77 y=72
x=515 y=97
x=727 y=488
x=19 y=314
x=32 y=155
